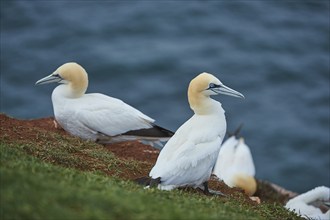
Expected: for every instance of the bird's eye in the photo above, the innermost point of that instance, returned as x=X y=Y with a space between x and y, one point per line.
x=212 y=86
x=56 y=75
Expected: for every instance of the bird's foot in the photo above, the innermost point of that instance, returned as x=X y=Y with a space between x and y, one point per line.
x=215 y=193
x=211 y=192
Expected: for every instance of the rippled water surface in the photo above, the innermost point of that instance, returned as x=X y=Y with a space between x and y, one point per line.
x=146 y=52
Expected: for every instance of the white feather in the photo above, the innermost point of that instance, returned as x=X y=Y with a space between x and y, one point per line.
x=301 y=203
x=95 y=116
x=225 y=157
x=96 y=113
x=243 y=161
x=234 y=158
x=189 y=156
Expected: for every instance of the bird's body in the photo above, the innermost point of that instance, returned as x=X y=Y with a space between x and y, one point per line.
x=95 y=116
x=189 y=156
x=235 y=165
x=302 y=204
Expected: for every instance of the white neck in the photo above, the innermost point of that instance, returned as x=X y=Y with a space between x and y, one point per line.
x=68 y=91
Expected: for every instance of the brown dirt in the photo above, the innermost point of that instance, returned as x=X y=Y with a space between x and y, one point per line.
x=134 y=150
x=12 y=129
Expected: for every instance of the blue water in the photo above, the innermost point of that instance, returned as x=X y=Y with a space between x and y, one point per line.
x=145 y=52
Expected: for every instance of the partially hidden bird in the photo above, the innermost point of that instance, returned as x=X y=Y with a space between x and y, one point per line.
x=188 y=158
x=95 y=116
x=313 y=204
x=235 y=165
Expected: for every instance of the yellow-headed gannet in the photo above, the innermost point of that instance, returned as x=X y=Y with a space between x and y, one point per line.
x=304 y=204
x=95 y=116
x=235 y=165
x=189 y=156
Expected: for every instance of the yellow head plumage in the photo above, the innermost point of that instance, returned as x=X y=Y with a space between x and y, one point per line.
x=75 y=76
x=198 y=91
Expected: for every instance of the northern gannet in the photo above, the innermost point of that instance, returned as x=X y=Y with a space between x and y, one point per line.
x=188 y=157
x=303 y=203
x=235 y=165
x=95 y=116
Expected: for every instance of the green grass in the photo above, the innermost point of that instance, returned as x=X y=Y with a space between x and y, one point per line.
x=50 y=176
x=33 y=189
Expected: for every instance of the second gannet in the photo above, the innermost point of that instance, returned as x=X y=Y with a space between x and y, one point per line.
x=188 y=157
x=235 y=165
x=303 y=203
x=95 y=116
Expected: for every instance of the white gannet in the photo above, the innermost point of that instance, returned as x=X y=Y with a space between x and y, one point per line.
x=235 y=165
x=188 y=157
x=303 y=203
x=95 y=116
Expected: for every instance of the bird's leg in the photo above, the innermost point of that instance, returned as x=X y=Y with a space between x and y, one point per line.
x=208 y=191
x=154 y=182
x=206 y=188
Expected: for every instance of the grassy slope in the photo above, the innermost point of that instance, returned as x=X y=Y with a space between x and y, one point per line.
x=33 y=189
x=50 y=179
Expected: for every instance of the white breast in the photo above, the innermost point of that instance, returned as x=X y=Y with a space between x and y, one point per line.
x=189 y=156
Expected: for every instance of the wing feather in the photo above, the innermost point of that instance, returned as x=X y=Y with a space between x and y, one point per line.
x=191 y=164
x=243 y=162
x=225 y=157
x=111 y=116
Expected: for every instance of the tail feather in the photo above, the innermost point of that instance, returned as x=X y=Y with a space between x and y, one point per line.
x=148 y=181
x=144 y=181
x=154 y=132
x=154 y=136
x=236 y=132
x=154 y=182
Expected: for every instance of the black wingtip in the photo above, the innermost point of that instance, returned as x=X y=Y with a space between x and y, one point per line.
x=166 y=132
x=236 y=132
x=155 y=131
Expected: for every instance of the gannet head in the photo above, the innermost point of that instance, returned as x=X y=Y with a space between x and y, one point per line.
x=203 y=86
x=71 y=74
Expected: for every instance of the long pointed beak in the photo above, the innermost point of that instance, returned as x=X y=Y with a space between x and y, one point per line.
x=222 y=89
x=49 y=79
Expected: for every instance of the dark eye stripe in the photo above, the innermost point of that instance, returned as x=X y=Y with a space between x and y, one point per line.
x=57 y=75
